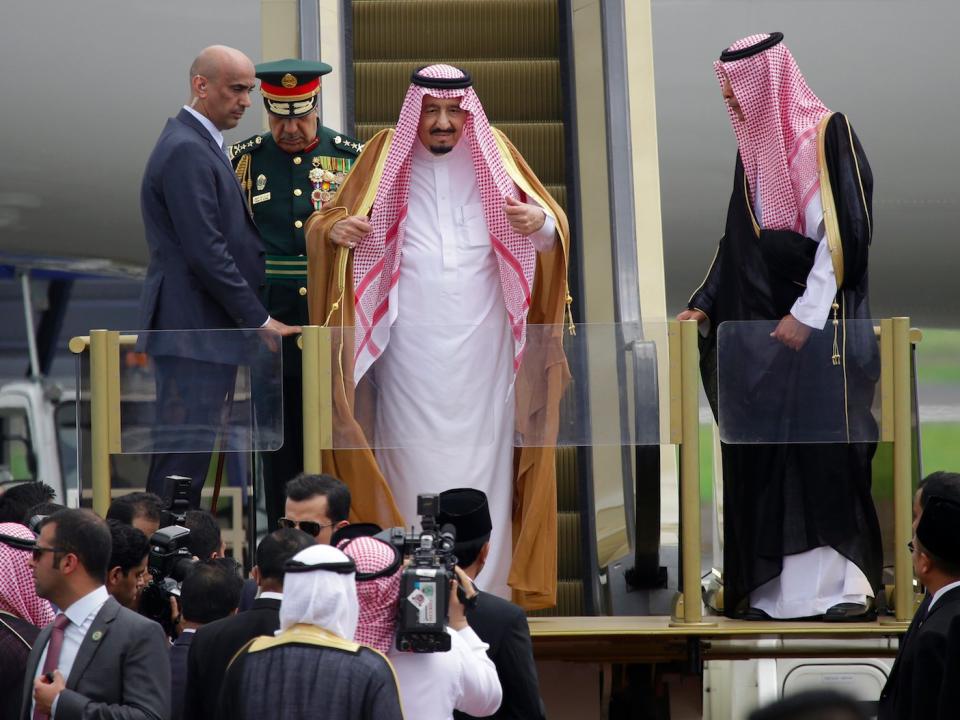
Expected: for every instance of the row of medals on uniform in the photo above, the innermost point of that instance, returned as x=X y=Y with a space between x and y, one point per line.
x=325 y=182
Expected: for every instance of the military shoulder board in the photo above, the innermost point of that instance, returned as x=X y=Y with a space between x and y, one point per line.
x=343 y=142
x=244 y=146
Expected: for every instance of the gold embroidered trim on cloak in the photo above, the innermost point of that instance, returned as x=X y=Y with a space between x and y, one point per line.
x=830 y=224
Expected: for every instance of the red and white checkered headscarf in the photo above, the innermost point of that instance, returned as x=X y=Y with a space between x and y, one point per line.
x=378 y=597
x=376 y=262
x=17 y=592
x=778 y=139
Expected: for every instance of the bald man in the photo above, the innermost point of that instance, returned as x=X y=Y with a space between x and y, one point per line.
x=206 y=268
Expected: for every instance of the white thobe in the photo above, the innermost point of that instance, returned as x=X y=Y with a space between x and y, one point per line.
x=433 y=685
x=445 y=404
x=813 y=581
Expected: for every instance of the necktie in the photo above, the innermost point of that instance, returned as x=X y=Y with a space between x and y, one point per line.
x=60 y=623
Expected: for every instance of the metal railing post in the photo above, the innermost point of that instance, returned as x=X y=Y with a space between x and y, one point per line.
x=902 y=485
x=689 y=388
x=104 y=412
x=317 y=396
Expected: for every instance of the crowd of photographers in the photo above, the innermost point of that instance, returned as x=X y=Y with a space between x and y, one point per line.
x=142 y=614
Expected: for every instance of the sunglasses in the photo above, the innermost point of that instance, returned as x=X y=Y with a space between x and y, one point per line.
x=310 y=527
x=38 y=551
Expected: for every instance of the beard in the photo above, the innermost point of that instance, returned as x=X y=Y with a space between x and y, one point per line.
x=440 y=149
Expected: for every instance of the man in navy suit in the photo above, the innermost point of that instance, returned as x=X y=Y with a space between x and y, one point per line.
x=209 y=593
x=917 y=681
x=97 y=659
x=206 y=266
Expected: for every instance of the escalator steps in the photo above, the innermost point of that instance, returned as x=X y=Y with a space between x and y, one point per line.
x=397 y=29
x=569 y=600
x=568 y=546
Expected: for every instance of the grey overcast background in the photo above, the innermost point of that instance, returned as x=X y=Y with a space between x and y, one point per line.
x=86 y=87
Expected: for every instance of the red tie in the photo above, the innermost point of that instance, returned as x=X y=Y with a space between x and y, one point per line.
x=60 y=623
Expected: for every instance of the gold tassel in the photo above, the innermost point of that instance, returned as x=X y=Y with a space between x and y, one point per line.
x=836 y=331
x=343 y=255
x=571 y=328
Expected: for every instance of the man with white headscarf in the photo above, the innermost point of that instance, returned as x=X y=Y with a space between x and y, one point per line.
x=801 y=534
x=456 y=256
x=312 y=667
x=432 y=685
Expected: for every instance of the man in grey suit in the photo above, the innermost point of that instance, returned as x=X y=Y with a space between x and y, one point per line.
x=97 y=659
x=206 y=264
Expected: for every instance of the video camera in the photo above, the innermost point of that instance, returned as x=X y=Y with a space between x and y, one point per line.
x=170 y=560
x=425 y=581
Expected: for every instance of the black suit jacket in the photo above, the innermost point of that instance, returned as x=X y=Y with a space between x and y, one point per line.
x=503 y=626
x=206 y=257
x=212 y=649
x=917 y=679
x=178 y=673
x=121 y=671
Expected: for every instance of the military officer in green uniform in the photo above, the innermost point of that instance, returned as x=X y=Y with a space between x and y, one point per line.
x=286 y=174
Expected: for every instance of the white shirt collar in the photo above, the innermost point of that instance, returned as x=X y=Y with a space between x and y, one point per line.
x=267 y=595
x=205 y=121
x=81 y=609
x=937 y=595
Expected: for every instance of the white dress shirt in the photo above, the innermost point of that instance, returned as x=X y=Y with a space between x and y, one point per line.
x=940 y=593
x=81 y=613
x=210 y=127
x=433 y=685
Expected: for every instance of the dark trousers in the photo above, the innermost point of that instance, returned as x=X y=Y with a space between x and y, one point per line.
x=286 y=463
x=194 y=402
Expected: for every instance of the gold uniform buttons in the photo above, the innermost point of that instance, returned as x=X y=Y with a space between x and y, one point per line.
x=298 y=224
x=297 y=160
x=302 y=291
x=298 y=192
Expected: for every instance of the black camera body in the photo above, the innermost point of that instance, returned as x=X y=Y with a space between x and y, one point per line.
x=170 y=559
x=168 y=564
x=425 y=581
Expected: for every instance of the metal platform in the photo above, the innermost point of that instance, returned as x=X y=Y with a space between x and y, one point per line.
x=659 y=639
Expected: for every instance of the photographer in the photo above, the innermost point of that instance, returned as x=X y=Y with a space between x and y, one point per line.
x=128 y=564
x=142 y=510
x=210 y=592
x=496 y=621
x=432 y=685
x=205 y=540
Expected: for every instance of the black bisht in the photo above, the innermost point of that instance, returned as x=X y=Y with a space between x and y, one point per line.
x=786 y=499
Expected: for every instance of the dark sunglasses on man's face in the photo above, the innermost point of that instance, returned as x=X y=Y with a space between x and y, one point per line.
x=38 y=551
x=310 y=527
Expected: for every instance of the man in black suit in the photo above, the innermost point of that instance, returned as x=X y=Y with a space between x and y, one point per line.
x=215 y=644
x=916 y=681
x=206 y=265
x=209 y=593
x=97 y=658
x=498 y=622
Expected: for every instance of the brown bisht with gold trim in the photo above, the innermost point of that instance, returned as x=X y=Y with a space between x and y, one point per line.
x=540 y=383
x=785 y=499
